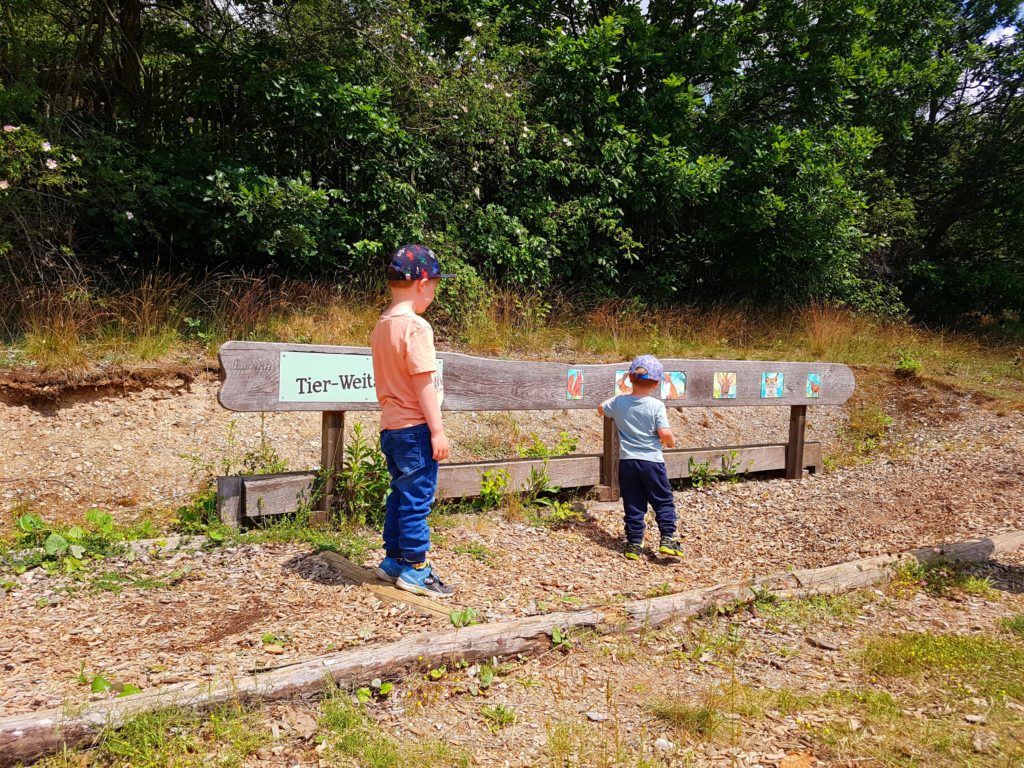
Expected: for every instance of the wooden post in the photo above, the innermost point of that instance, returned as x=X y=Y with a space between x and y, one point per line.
x=609 y=488
x=795 y=449
x=229 y=500
x=332 y=457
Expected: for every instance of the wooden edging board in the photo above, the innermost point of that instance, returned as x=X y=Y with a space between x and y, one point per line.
x=28 y=737
x=366 y=578
x=263 y=376
x=260 y=495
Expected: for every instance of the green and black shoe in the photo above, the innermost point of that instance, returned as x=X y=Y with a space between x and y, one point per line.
x=633 y=551
x=670 y=546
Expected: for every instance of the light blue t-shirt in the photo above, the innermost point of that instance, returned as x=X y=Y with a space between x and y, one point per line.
x=638 y=420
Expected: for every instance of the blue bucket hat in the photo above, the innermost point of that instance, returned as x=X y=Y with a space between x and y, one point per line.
x=414 y=262
x=646 y=367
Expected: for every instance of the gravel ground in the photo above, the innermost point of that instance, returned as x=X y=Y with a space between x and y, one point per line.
x=954 y=472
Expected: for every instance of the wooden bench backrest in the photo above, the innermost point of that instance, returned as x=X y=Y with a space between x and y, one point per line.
x=253 y=378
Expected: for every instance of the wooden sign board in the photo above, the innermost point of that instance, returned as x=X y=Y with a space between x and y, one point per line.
x=304 y=377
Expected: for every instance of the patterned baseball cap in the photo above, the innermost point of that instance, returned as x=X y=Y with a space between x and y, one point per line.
x=414 y=262
x=646 y=367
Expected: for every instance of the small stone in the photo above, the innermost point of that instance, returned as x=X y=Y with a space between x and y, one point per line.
x=819 y=642
x=664 y=744
x=976 y=719
x=273 y=648
x=985 y=743
x=597 y=717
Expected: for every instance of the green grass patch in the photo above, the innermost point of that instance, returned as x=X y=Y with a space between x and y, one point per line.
x=840 y=608
x=938 y=577
x=990 y=666
x=224 y=737
x=498 y=716
x=701 y=721
x=116 y=581
x=354 y=736
x=1014 y=624
x=476 y=550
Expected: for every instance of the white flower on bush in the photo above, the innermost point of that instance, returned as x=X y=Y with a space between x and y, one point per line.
x=129 y=215
x=5 y=184
x=47 y=146
x=51 y=164
x=489 y=86
x=11 y=128
x=190 y=120
x=567 y=142
x=479 y=24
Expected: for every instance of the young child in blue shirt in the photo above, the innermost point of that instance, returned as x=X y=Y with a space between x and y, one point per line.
x=643 y=480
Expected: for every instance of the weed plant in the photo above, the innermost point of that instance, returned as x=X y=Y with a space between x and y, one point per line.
x=937 y=577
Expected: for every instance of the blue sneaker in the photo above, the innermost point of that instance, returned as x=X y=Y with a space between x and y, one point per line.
x=390 y=568
x=423 y=581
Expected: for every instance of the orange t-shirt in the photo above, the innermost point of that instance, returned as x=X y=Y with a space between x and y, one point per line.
x=402 y=346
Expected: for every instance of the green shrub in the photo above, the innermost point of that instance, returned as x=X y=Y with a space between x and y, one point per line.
x=362 y=485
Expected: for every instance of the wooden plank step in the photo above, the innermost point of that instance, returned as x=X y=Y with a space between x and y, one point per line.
x=366 y=577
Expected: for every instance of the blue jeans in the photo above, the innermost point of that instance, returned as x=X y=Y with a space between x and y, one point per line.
x=413 y=473
x=642 y=483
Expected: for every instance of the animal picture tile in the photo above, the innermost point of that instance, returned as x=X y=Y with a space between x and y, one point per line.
x=623 y=386
x=814 y=385
x=724 y=386
x=673 y=386
x=574 y=384
x=771 y=384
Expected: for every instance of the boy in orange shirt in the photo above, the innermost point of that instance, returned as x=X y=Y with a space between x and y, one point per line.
x=412 y=436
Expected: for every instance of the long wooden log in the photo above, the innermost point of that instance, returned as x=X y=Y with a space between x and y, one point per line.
x=28 y=737
x=832 y=579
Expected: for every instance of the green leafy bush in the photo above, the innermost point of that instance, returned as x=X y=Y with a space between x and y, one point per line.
x=363 y=483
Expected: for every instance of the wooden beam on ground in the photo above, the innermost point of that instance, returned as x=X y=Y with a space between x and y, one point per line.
x=367 y=578
x=832 y=579
x=28 y=737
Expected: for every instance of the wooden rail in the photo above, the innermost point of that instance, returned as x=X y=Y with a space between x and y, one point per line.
x=302 y=377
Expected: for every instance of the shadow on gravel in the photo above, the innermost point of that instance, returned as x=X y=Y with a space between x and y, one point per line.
x=1004 y=577
x=312 y=568
x=590 y=529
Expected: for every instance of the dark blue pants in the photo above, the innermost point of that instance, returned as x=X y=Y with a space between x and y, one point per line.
x=413 y=481
x=642 y=483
